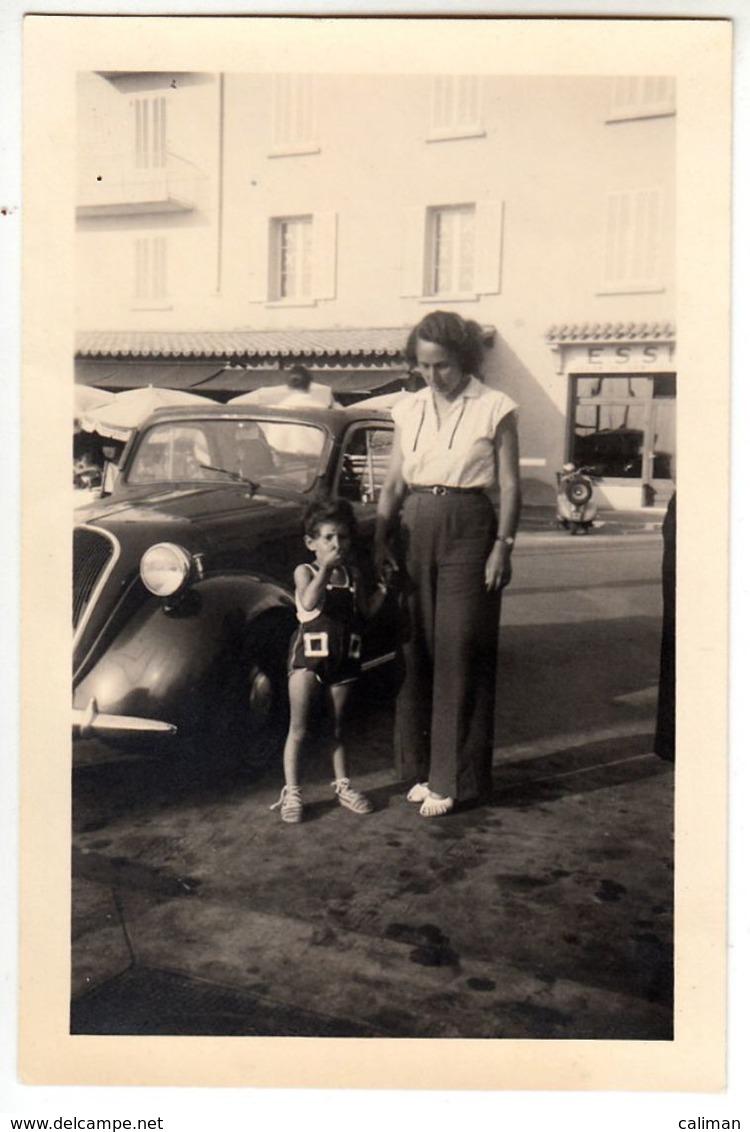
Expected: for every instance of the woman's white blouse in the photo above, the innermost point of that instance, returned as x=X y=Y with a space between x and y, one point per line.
x=459 y=451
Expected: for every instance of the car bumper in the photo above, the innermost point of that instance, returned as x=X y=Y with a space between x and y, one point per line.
x=89 y=721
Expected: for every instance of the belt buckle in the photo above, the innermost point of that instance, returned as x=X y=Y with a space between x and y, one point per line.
x=438 y=489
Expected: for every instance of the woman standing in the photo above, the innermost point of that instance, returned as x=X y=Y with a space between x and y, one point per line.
x=456 y=441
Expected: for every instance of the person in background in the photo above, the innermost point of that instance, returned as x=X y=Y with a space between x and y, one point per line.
x=300 y=391
x=456 y=442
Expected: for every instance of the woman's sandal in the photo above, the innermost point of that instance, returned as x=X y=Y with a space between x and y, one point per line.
x=419 y=792
x=435 y=807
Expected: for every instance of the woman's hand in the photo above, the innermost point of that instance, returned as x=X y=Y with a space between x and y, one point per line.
x=391 y=495
x=384 y=558
x=497 y=569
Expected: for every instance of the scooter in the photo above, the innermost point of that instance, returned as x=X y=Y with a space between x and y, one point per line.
x=576 y=509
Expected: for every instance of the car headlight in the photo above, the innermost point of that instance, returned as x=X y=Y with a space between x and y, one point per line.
x=165 y=568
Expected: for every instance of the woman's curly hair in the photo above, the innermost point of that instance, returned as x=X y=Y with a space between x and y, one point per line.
x=459 y=337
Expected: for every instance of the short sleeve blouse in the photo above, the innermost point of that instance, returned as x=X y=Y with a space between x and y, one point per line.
x=459 y=451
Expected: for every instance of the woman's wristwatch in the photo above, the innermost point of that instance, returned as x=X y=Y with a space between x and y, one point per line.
x=506 y=540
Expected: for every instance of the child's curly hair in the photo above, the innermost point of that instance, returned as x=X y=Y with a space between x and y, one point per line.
x=329 y=511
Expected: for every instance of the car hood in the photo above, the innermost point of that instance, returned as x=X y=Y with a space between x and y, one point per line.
x=202 y=506
x=230 y=529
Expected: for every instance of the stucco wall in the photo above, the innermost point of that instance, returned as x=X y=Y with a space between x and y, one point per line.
x=548 y=155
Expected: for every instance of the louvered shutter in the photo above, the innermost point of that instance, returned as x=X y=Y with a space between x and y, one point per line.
x=489 y=247
x=258 y=289
x=413 y=252
x=632 y=241
x=324 y=255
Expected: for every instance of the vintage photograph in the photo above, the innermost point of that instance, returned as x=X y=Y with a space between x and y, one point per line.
x=376 y=386
x=350 y=365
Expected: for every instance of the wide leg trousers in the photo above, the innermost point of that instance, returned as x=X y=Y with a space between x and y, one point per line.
x=445 y=705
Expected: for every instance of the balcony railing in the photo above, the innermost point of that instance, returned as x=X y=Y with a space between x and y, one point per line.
x=115 y=187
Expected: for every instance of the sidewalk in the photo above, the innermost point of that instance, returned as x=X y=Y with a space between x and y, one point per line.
x=542 y=519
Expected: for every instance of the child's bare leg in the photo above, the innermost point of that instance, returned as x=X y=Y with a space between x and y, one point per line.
x=339 y=696
x=351 y=799
x=303 y=688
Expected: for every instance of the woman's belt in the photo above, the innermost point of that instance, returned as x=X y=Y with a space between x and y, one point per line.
x=441 y=489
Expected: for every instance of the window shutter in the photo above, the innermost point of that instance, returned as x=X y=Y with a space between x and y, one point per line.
x=467 y=109
x=159 y=266
x=259 y=261
x=642 y=96
x=294 y=114
x=413 y=252
x=282 y=129
x=442 y=104
x=324 y=255
x=305 y=110
x=647 y=236
x=489 y=246
x=632 y=242
x=141 y=268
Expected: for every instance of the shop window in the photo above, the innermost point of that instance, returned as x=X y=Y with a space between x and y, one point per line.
x=665 y=385
x=294 y=115
x=624 y=425
x=641 y=96
x=456 y=108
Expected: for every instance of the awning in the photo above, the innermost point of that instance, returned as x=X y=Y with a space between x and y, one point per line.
x=117 y=375
x=235 y=381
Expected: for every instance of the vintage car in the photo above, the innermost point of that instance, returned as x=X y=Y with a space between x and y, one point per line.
x=183 y=572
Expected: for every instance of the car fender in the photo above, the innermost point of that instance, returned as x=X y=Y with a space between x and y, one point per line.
x=170 y=663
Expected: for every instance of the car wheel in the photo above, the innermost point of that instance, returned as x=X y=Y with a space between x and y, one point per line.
x=253 y=711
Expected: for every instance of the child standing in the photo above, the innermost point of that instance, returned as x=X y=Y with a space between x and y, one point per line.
x=326 y=649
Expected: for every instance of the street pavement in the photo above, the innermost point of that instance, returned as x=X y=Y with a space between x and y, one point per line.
x=546 y=913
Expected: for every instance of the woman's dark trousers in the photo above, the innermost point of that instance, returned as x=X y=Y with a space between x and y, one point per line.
x=445 y=706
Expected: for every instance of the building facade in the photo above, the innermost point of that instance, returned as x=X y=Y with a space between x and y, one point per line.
x=228 y=225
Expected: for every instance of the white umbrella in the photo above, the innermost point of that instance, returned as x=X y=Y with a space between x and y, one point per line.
x=88 y=397
x=384 y=401
x=318 y=394
x=125 y=411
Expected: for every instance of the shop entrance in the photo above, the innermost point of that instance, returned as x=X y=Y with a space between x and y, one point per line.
x=624 y=426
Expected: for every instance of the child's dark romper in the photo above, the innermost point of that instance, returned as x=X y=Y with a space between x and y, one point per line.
x=328 y=641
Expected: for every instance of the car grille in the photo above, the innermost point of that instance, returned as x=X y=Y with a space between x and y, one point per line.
x=92 y=552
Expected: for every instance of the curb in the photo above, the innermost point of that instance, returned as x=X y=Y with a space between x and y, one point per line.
x=543 y=520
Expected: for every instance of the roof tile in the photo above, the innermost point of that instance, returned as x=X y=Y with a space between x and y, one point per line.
x=575 y=332
x=386 y=342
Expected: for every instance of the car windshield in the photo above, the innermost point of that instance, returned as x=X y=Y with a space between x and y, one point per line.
x=269 y=454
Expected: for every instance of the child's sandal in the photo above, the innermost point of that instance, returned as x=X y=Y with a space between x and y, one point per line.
x=352 y=799
x=290 y=804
